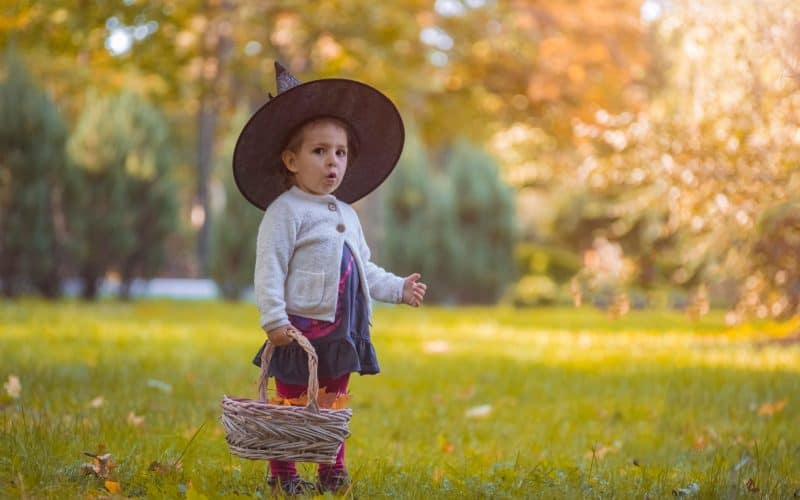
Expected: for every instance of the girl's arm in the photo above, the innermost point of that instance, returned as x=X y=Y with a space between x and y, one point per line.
x=276 y=239
x=383 y=285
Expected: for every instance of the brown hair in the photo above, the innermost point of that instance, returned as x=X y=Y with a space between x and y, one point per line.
x=297 y=136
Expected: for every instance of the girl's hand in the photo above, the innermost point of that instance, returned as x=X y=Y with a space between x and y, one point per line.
x=414 y=291
x=278 y=337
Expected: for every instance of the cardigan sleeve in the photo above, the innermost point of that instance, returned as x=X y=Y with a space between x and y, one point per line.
x=383 y=285
x=274 y=245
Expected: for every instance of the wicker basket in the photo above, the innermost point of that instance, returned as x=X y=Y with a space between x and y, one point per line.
x=260 y=430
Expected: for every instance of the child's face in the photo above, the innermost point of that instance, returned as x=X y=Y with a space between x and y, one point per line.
x=319 y=164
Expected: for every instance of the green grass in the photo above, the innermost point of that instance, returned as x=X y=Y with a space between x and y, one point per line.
x=579 y=406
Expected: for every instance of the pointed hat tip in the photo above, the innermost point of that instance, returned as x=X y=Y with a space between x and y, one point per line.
x=284 y=79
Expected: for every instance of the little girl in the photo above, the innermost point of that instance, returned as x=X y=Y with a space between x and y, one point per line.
x=303 y=156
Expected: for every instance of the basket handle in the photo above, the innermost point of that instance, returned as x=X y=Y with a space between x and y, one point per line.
x=313 y=381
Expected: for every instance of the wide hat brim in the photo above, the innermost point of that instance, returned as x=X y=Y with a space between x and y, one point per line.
x=374 y=119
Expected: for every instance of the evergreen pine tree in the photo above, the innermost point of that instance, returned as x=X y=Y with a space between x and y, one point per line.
x=127 y=205
x=485 y=220
x=32 y=166
x=152 y=190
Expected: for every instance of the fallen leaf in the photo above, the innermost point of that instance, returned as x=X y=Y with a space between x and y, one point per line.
x=480 y=411
x=177 y=465
x=13 y=387
x=445 y=445
x=751 y=486
x=467 y=393
x=97 y=402
x=165 y=469
x=102 y=466
x=700 y=442
x=160 y=385
x=113 y=487
x=688 y=490
x=603 y=450
x=769 y=409
x=135 y=420
x=436 y=347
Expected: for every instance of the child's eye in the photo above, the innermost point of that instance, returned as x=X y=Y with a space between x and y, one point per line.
x=341 y=152
x=318 y=151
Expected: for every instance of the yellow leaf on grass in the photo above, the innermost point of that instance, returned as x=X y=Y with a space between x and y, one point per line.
x=113 y=487
x=769 y=409
x=601 y=451
x=135 y=420
x=13 y=387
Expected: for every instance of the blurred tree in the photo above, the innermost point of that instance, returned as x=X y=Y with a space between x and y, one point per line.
x=476 y=69
x=485 y=224
x=125 y=207
x=456 y=225
x=418 y=225
x=32 y=172
x=773 y=286
x=716 y=149
x=233 y=243
x=152 y=192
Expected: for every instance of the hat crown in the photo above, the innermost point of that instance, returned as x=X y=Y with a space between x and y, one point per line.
x=285 y=80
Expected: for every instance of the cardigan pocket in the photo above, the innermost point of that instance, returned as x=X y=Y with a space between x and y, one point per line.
x=306 y=289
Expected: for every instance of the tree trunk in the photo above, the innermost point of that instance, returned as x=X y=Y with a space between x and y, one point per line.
x=218 y=49
x=90 y=278
x=126 y=279
x=206 y=125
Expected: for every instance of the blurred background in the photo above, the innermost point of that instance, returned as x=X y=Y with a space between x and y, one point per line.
x=619 y=153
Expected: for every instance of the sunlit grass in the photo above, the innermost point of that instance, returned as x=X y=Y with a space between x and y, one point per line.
x=474 y=402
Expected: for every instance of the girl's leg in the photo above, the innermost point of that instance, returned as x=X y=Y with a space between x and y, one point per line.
x=277 y=468
x=285 y=390
x=333 y=477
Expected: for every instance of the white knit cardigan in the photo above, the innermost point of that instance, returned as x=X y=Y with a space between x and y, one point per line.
x=299 y=254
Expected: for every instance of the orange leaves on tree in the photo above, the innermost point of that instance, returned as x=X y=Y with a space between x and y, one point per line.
x=325 y=399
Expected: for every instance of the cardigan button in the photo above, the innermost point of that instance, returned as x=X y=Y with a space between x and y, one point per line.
x=340 y=228
x=332 y=207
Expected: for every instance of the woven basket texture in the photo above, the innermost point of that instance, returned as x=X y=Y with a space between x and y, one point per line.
x=259 y=430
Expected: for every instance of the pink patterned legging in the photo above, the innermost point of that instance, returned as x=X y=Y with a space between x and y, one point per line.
x=284 y=390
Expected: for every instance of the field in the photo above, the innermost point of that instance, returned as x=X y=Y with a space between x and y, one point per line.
x=471 y=403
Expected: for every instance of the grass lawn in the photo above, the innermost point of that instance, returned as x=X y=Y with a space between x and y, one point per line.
x=471 y=403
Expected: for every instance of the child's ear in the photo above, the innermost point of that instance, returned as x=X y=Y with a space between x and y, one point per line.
x=288 y=158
